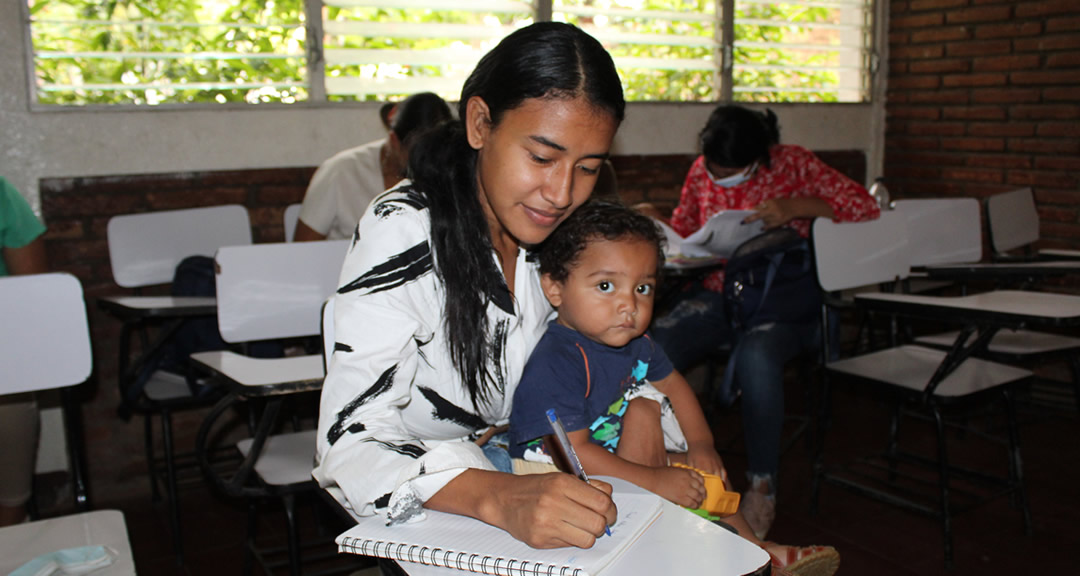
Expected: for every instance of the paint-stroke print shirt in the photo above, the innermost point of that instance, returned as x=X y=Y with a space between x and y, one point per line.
x=396 y=423
x=794 y=172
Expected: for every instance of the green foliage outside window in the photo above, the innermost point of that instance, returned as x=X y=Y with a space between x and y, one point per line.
x=205 y=51
x=470 y=49
x=645 y=84
x=77 y=43
x=789 y=28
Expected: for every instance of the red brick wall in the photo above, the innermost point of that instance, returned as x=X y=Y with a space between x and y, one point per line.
x=984 y=97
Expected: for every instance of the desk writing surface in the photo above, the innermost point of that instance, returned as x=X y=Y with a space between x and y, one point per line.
x=679 y=543
x=1038 y=268
x=277 y=375
x=160 y=305
x=1056 y=253
x=22 y=543
x=1045 y=305
x=678 y=264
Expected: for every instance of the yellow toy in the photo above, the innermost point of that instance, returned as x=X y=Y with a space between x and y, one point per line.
x=718 y=501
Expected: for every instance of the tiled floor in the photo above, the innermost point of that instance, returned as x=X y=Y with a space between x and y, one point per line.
x=873 y=539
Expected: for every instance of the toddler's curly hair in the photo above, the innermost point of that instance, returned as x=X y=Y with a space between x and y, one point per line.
x=592 y=221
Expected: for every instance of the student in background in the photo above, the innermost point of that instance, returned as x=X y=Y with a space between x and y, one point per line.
x=22 y=251
x=344 y=185
x=386 y=114
x=440 y=302
x=743 y=166
x=627 y=412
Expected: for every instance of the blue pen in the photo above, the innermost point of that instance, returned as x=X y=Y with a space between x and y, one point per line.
x=568 y=450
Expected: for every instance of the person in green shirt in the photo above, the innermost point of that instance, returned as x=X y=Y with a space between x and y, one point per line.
x=23 y=252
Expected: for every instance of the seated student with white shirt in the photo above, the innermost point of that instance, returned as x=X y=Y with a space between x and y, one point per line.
x=344 y=185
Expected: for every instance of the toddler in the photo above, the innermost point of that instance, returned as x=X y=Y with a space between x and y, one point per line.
x=628 y=413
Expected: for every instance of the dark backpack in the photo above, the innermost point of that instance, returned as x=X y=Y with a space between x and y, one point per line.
x=770 y=278
x=194 y=276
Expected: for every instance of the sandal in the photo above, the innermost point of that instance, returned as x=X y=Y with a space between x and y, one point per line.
x=806 y=560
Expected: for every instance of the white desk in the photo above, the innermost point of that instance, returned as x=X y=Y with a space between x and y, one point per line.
x=1060 y=254
x=680 y=543
x=1002 y=307
x=264 y=376
x=22 y=543
x=1017 y=271
x=159 y=306
x=135 y=311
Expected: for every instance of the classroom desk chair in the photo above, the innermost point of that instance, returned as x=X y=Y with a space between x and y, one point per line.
x=45 y=320
x=1013 y=222
x=144 y=251
x=292 y=216
x=269 y=291
x=916 y=378
x=944 y=232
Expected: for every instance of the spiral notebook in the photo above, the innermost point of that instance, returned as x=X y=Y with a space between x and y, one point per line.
x=449 y=540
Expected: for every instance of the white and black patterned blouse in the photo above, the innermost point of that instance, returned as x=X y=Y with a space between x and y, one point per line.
x=396 y=422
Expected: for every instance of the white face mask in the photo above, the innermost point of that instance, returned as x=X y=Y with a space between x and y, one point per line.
x=734 y=179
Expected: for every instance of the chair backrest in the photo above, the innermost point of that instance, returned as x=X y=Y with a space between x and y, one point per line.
x=1013 y=220
x=44 y=339
x=854 y=254
x=267 y=291
x=292 y=216
x=144 y=249
x=942 y=230
x=328 y=332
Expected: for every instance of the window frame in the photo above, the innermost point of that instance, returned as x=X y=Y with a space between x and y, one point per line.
x=543 y=11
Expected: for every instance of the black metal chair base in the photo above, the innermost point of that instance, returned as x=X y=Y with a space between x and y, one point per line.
x=944 y=491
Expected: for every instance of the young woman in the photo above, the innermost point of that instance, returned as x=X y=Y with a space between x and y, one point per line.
x=440 y=303
x=743 y=166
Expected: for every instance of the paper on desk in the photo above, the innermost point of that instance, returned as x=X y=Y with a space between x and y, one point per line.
x=719 y=237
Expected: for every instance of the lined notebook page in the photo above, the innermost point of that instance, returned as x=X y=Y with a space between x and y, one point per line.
x=468 y=544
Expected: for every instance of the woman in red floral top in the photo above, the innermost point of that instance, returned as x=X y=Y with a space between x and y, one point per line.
x=744 y=167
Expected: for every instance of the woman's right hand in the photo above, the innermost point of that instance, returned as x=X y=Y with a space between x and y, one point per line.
x=679 y=485
x=542 y=510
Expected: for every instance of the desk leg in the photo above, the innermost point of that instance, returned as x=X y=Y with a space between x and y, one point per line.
x=74 y=434
x=124 y=348
x=943 y=480
x=170 y=486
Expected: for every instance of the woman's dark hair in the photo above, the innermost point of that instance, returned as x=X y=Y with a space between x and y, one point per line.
x=595 y=220
x=736 y=137
x=417 y=114
x=544 y=60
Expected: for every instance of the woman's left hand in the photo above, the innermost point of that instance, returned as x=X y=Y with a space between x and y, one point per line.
x=779 y=211
x=775 y=212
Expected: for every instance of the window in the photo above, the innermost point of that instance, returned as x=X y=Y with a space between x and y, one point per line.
x=796 y=51
x=168 y=51
x=380 y=48
x=153 y=52
x=663 y=50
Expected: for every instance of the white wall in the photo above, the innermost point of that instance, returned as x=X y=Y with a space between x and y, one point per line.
x=57 y=143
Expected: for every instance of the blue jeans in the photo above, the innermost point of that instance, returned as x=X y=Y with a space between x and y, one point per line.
x=696 y=326
x=497 y=452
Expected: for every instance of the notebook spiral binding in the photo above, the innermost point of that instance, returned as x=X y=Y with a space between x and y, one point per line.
x=444 y=558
